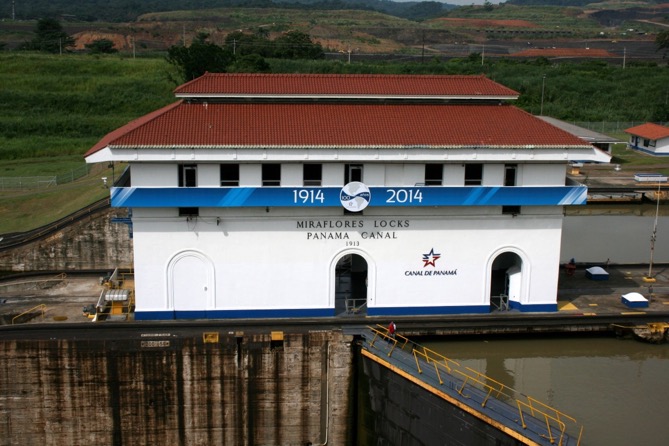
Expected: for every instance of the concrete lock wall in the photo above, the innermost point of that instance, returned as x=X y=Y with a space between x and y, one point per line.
x=94 y=242
x=157 y=389
x=401 y=413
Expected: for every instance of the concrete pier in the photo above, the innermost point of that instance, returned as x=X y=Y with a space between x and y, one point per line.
x=156 y=386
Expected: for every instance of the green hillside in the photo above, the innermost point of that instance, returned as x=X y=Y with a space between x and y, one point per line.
x=54 y=108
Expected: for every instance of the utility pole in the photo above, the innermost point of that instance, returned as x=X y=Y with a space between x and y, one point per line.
x=13 y=11
x=422 y=55
x=543 y=87
x=653 y=237
x=624 y=56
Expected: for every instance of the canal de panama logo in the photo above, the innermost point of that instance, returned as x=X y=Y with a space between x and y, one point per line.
x=430 y=258
x=355 y=196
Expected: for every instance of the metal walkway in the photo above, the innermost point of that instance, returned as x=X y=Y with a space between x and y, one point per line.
x=521 y=417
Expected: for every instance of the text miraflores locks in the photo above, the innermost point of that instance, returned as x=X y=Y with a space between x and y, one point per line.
x=380 y=228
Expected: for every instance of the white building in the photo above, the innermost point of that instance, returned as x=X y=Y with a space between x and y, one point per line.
x=291 y=195
x=650 y=138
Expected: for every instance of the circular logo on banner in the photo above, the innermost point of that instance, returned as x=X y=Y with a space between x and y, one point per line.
x=355 y=196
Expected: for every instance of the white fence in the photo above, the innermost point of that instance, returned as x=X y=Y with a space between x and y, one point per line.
x=42 y=182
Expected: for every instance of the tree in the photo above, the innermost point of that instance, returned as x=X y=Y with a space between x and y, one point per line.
x=50 y=37
x=251 y=63
x=662 y=41
x=200 y=57
x=297 y=45
x=101 y=46
x=242 y=44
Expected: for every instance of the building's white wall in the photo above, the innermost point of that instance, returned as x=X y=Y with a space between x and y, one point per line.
x=394 y=174
x=250 y=175
x=662 y=145
x=413 y=174
x=373 y=175
x=454 y=174
x=333 y=174
x=154 y=175
x=292 y=174
x=271 y=263
x=542 y=174
x=208 y=175
x=493 y=175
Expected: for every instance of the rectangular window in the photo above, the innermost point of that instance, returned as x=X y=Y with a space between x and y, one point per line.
x=312 y=174
x=187 y=175
x=229 y=175
x=646 y=142
x=473 y=174
x=510 y=174
x=189 y=212
x=434 y=174
x=271 y=174
x=353 y=172
x=511 y=210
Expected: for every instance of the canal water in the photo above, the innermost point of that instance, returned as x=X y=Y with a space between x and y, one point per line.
x=618 y=389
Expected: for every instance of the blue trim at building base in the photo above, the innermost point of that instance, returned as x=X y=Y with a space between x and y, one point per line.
x=233 y=314
x=265 y=314
x=329 y=312
x=425 y=311
x=539 y=308
x=153 y=315
x=650 y=152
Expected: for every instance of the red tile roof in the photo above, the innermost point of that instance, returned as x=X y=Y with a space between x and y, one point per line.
x=242 y=125
x=649 y=130
x=359 y=85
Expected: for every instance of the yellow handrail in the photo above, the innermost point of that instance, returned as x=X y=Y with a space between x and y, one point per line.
x=40 y=306
x=554 y=419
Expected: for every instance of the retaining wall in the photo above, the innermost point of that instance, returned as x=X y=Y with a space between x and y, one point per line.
x=93 y=242
x=161 y=389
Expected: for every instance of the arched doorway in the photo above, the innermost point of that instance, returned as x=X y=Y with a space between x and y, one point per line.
x=505 y=281
x=351 y=280
x=190 y=277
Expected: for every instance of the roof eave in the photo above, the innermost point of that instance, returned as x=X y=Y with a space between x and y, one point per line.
x=345 y=96
x=350 y=147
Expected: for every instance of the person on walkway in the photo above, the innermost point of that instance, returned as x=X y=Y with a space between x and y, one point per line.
x=391 y=330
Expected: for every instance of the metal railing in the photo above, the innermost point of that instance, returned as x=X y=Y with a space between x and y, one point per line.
x=41 y=307
x=43 y=182
x=558 y=425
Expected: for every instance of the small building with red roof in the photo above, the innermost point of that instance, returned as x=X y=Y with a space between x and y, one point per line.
x=649 y=138
x=307 y=195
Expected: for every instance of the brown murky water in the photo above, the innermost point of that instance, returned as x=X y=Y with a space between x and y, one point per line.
x=618 y=389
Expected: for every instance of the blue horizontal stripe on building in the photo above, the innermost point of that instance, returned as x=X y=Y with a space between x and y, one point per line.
x=151 y=197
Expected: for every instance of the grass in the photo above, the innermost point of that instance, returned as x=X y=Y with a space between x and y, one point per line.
x=26 y=210
x=52 y=110
x=62 y=105
x=47 y=166
x=633 y=158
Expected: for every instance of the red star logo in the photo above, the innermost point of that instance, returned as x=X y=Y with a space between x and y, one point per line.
x=430 y=258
